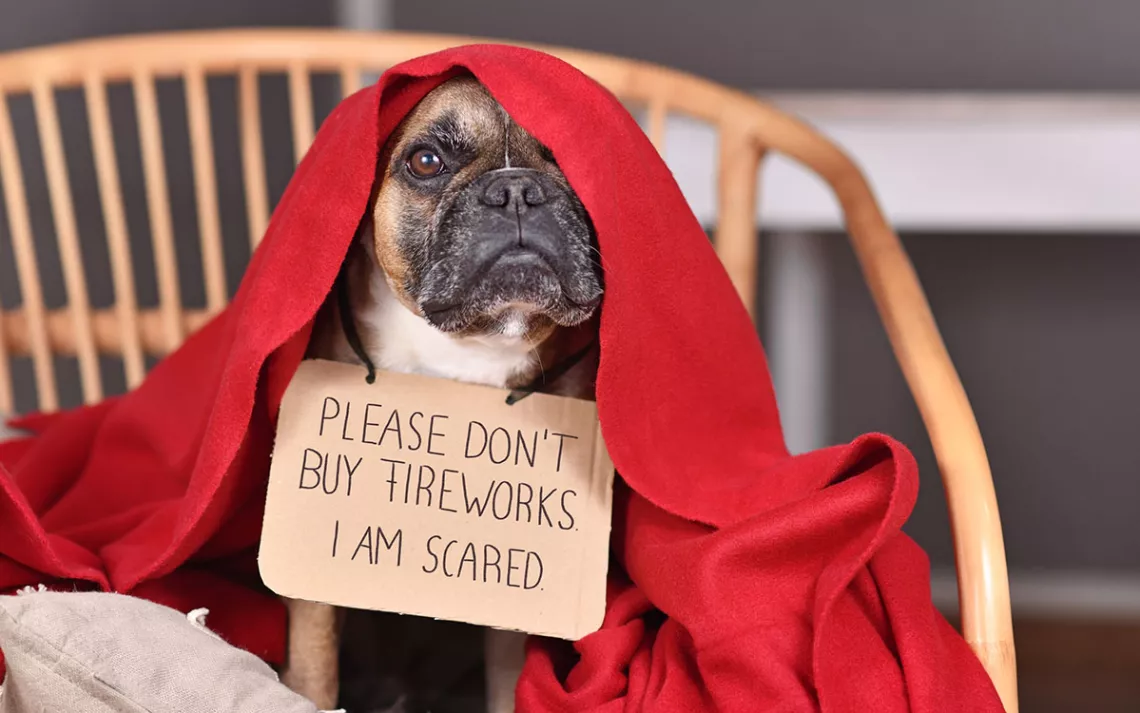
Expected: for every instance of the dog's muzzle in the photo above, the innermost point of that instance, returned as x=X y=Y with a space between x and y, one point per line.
x=515 y=221
x=515 y=236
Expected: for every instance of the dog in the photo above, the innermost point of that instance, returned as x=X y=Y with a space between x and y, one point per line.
x=475 y=262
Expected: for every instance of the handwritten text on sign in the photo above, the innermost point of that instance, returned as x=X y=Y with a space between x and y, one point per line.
x=431 y=497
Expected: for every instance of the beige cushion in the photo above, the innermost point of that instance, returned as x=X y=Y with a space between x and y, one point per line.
x=104 y=653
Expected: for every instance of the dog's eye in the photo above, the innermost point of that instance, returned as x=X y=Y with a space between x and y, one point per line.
x=425 y=163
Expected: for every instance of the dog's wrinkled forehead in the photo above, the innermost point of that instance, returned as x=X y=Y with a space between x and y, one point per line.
x=461 y=117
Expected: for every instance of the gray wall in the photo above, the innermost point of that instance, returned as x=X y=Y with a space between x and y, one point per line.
x=36 y=22
x=1077 y=45
x=1043 y=328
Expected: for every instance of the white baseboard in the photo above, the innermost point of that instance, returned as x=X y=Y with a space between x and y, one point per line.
x=1056 y=594
x=956 y=163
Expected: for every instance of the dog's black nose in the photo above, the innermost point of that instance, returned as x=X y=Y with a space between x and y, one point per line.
x=513 y=189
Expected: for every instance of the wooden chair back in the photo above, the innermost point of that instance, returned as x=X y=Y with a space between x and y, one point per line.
x=130 y=331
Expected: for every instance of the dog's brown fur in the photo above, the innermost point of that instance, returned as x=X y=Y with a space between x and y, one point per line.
x=315 y=629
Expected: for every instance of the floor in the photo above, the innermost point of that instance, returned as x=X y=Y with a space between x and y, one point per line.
x=1078 y=666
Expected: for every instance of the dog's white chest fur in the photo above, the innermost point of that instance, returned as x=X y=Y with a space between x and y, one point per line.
x=398 y=340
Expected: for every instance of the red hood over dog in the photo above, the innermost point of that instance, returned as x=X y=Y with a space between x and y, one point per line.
x=744 y=579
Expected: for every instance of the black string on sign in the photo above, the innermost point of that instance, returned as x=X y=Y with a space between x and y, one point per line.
x=348 y=324
x=548 y=377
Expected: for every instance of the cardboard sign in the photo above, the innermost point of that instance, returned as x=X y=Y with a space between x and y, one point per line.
x=436 y=498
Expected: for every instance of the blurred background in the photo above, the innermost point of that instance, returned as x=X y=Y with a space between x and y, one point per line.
x=1003 y=137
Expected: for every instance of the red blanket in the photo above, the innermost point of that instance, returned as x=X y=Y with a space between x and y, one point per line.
x=744 y=579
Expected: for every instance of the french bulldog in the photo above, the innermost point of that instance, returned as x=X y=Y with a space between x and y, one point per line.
x=476 y=262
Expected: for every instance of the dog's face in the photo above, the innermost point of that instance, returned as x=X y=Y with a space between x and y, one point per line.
x=475 y=226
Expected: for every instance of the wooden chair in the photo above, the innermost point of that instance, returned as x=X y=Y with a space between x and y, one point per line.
x=748 y=129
